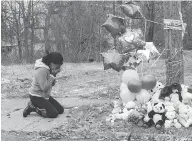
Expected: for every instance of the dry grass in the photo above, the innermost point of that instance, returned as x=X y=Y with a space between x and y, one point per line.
x=81 y=79
x=90 y=81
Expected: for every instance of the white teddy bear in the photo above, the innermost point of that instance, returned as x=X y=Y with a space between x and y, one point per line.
x=187 y=97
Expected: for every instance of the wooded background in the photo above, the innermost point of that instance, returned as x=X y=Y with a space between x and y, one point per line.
x=73 y=28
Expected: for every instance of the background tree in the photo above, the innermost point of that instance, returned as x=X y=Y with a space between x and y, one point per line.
x=74 y=27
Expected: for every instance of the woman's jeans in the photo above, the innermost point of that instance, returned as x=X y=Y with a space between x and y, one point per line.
x=47 y=108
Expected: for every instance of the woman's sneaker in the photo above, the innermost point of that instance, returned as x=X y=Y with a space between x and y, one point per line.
x=30 y=108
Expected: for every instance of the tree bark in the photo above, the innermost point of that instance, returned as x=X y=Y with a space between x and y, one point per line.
x=150 y=8
x=26 y=26
x=46 y=31
x=115 y=39
x=18 y=36
x=174 y=45
x=32 y=33
x=17 y=22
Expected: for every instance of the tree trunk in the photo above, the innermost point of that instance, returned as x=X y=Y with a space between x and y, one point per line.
x=18 y=33
x=32 y=34
x=115 y=40
x=26 y=26
x=174 y=45
x=151 y=17
x=46 y=30
x=99 y=44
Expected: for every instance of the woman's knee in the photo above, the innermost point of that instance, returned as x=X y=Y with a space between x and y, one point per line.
x=53 y=114
x=61 y=110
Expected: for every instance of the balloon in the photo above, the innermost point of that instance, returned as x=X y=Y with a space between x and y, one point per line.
x=113 y=59
x=148 y=82
x=125 y=94
x=115 y=25
x=129 y=75
x=131 y=10
x=132 y=39
x=123 y=87
x=135 y=86
x=143 y=97
x=133 y=61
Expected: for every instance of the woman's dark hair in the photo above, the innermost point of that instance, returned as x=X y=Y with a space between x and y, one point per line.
x=53 y=57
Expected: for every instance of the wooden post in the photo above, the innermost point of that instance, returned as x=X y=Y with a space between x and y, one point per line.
x=173 y=45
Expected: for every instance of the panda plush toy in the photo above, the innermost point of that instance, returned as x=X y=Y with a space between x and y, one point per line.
x=156 y=115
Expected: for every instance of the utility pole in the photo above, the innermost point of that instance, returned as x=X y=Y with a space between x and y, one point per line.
x=173 y=44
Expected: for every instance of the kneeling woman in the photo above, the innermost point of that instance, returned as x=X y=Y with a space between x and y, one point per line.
x=44 y=78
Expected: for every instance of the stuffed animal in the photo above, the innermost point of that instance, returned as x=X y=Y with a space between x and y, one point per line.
x=171 y=115
x=155 y=97
x=174 y=98
x=149 y=109
x=130 y=105
x=176 y=124
x=185 y=115
x=116 y=108
x=168 y=90
x=123 y=115
x=155 y=92
x=169 y=106
x=158 y=87
x=187 y=97
x=168 y=123
x=157 y=115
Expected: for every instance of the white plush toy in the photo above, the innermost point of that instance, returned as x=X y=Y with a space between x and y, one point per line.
x=174 y=98
x=169 y=106
x=168 y=123
x=149 y=108
x=123 y=115
x=116 y=108
x=187 y=97
x=158 y=87
x=185 y=115
x=170 y=117
x=176 y=123
x=155 y=96
x=130 y=105
x=117 y=113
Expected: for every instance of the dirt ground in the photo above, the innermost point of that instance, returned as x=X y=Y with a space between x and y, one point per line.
x=89 y=81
